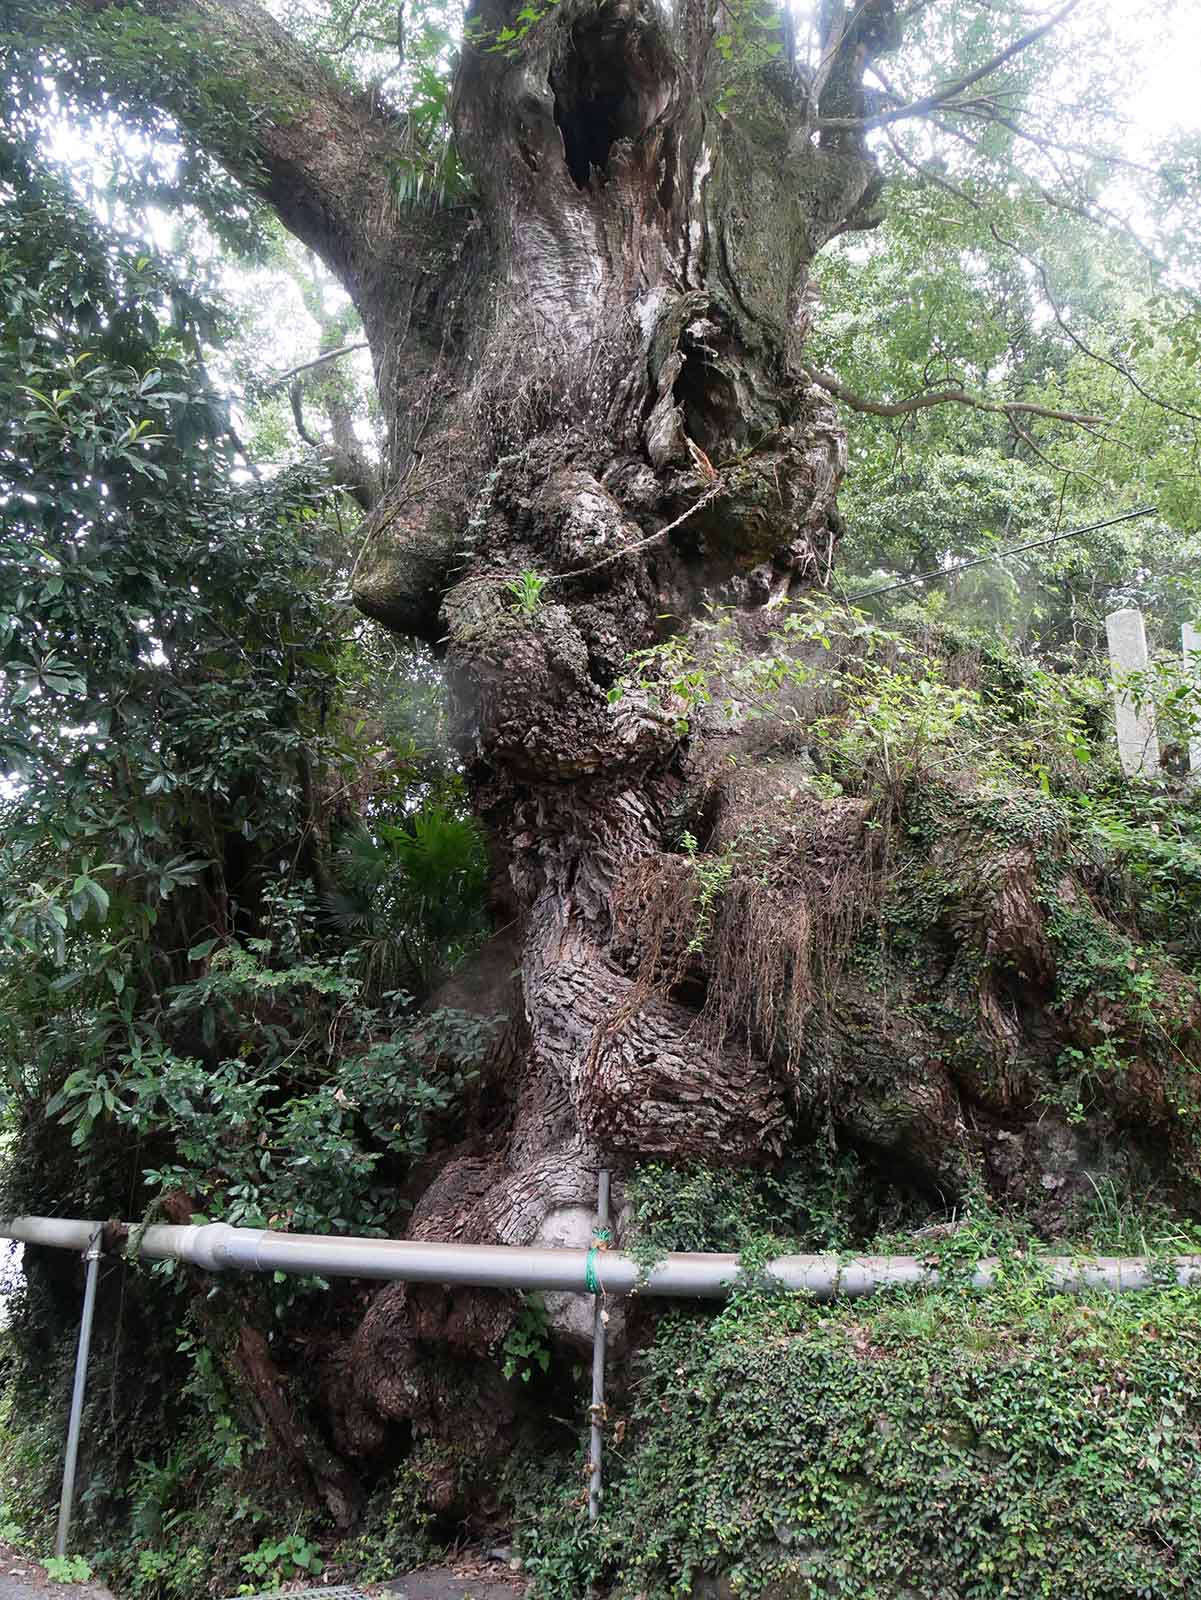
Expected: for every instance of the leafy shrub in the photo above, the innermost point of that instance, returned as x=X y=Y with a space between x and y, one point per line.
x=191 y=721
x=526 y=1346
x=278 y=1560
x=290 y=1131
x=67 y=1569
x=823 y=1199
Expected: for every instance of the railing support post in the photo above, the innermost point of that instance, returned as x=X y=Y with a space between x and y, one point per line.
x=600 y=1319
x=70 y=1460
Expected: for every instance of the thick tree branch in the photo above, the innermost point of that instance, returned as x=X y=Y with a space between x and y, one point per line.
x=948 y=93
x=347 y=463
x=317 y=151
x=296 y=396
x=831 y=45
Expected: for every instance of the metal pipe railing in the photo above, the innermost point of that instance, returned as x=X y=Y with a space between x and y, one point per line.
x=216 y=1246
x=597 y=1272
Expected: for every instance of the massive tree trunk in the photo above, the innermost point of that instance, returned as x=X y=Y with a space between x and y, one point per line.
x=597 y=425
x=615 y=432
x=611 y=352
x=616 y=426
x=594 y=402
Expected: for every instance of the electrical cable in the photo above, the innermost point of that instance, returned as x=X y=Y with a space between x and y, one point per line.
x=1000 y=555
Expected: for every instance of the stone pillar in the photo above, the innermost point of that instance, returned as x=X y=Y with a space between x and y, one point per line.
x=1138 y=742
x=1191 y=644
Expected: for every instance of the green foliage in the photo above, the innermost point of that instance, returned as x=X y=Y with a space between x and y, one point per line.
x=823 y=1199
x=1133 y=1224
x=174 y=1571
x=713 y=877
x=11 y=1530
x=173 y=1509
x=1170 y=686
x=211 y=921
x=526 y=1346
x=427 y=171
x=194 y=732
x=411 y=896
x=148 y=70
x=889 y=709
x=526 y=590
x=509 y=38
x=178 y=689
x=167 y=635
x=67 y=1569
x=1150 y=841
x=175 y=1481
x=943 y=1444
x=322 y=1090
x=750 y=45
x=972 y=766
x=945 y=296
x=397 y=1526
x=275 y=1561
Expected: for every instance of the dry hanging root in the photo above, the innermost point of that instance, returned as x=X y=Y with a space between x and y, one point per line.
x=754 y=934
x=760 y=971
x=750 y=952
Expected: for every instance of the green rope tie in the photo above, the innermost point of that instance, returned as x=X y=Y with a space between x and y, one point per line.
x=591 y=1282
x=600 y=1238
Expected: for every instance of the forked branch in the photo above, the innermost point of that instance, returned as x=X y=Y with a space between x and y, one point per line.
x=945 y=96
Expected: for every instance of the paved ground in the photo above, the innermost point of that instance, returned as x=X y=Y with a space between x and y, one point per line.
x=469 y=1579
x=443 y=1584
x=21 y=1578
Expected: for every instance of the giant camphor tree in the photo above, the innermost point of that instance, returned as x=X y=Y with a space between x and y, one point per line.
x=600 y=421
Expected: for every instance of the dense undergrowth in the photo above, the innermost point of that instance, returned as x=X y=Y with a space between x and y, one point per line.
x=941 y=1445
x=948 y=1444
x=235 y=860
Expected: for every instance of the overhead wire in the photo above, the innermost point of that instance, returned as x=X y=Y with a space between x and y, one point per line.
x=999 y=555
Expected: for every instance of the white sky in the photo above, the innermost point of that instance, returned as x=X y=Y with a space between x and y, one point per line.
x=1167 y=97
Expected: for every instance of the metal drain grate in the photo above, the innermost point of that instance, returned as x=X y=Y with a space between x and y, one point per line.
x=343 y=1591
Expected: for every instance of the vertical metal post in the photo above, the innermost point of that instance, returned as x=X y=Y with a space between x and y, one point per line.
x=71 y=1458
x=599 y=1324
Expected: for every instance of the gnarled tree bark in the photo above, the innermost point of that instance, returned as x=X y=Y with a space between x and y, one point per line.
x=618 y=416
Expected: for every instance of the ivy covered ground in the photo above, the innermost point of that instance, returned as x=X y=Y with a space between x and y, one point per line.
x=950 y=1445
x=931 y=1445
